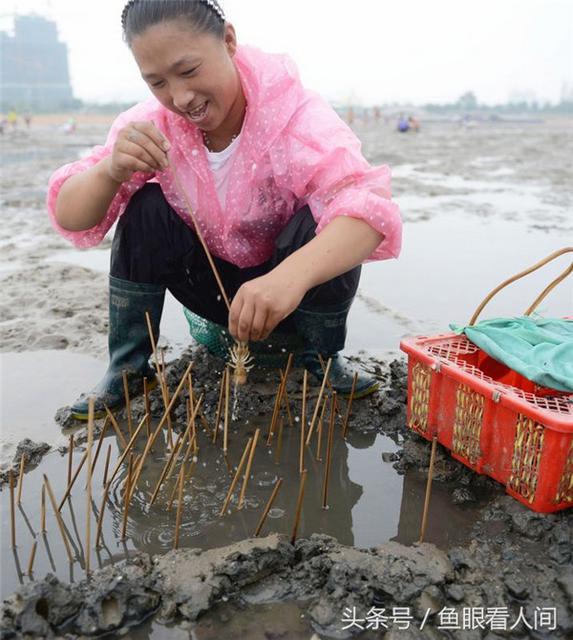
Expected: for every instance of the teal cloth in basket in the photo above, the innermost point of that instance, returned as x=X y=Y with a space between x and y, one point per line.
x=540 y=349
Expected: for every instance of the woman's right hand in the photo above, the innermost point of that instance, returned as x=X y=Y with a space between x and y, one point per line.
x=139 y=147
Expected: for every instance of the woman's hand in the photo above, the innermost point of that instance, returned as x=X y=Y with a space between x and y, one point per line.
x=262 y=303
x=139 y=147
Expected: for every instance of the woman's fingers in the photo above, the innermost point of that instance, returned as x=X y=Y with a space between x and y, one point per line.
x=258 y=326
x=145 y=143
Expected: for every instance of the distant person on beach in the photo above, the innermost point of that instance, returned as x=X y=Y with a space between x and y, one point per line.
x=413 y=124
x=28 y=120
x=287 y=204
x=12 y=119
x=403 y=125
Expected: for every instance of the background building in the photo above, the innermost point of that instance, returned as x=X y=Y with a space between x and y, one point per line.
x=34 y=67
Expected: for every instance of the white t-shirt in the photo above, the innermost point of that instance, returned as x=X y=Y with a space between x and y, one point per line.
x=220 y=163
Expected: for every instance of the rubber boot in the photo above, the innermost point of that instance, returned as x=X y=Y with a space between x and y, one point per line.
x=129 y=345
x=324 y=333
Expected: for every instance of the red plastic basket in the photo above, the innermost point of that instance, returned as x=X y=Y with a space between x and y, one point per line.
x=490 y=417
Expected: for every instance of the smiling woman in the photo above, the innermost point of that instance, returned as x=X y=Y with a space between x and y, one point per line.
x=282 y=195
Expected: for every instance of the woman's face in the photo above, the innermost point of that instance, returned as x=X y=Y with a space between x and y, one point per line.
x=190 y=73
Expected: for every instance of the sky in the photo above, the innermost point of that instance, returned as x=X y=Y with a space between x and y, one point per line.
x=369 y=52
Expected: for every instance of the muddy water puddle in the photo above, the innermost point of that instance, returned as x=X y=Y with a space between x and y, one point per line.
x=368 y=502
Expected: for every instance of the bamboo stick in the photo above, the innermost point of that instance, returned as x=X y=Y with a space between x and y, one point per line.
x=248 y=469
x=319 y=434
x=151 y=440
x=32 y=557
x=21 y=478
x=268 y=507
x=191 y=406
x=179 y=509
x=106 y=468
x=89 y=483
x=185 y=459
x=227 y=399
x=302 y=422
x=126 y=496
x=115 y=426
x=43 y=510
x=70 y=457
x=286 y=400
x=101 y=512
x=298 y=506
x=99 y=444
x=273 y=417
x=74 y=478
x=328 y=451
x=318 y=400
x=279 y=442
x=166 y=397
x=236 y=477
x=58 y=517
x=12 y=509
x=349 y=407
x=147 y=406
x=428 y=489
x=127 y=402
x=220 y=405
x=165 y=474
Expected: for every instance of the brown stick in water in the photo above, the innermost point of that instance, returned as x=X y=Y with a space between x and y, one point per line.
x=21 y=478
x=115 y=426
x=286 y=401
x=318 y=401
x=227 y=400
x=349 y=407
x=99 y=444
x=268 y=507
x=58 y=518
x=179 y=509
x=12 y=509
x=147 y=406
x=319 y=431
x=219 y=405
x=126 y=496
x=428 y=489
x=127 y=402
x=32 y=557
x=329 y=451
x=298 y=506
x=303 y=422
x=106 y=468
x=248 y=469
x=70 y=457
x=43 y=510
x=74 y=478
x=236 y=477
x=89 y=483
x=279 y=442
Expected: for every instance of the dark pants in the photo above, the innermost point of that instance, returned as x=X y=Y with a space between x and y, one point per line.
x=153 y=245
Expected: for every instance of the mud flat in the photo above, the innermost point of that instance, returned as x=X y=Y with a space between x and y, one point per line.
x=478 y=205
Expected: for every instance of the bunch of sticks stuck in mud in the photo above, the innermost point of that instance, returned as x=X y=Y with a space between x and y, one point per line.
x=183 y=454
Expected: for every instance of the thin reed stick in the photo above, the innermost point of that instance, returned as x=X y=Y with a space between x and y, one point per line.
x=298 y=506
x=273 y=418
x=127 y=402
x=329 y=451
x=268 y=507
x=89 y=483
x=279 y=442
x=319 y=434
x=165 y=474
x=99 y=444
x=248 y=469
x=201 y=238
x=58 y=517
x=115 y=426
x=349 y=407
x=126 y=496
x=154 y=435
x=153 y=345
x=12 y=509
x=219 y=405
x=70 y=457
x=21 y=478
x=181 y=471
x=191 y=406
x=179 y=509
x=32 y=557
x=74 y=478
x=286 y=401
x=280 y=392
x=428 y=489
x=147 y=406
x=101 y=512
x=227 y=400
x=106 y=468
x=43 y=510
x=318 y=401
x=236 y=477
x=166 y=398
x=302 y=422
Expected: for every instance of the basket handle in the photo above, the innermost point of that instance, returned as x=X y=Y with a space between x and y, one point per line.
x=520 y=275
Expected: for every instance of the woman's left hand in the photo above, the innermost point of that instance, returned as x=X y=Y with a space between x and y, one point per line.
x=262 y=303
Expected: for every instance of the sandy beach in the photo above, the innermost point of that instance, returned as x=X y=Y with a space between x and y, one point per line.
x=479 y=204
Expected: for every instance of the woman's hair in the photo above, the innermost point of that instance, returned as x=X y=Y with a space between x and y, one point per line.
x=205 y=16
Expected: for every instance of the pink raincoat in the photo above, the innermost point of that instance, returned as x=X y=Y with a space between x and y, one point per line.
x=294 y=150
